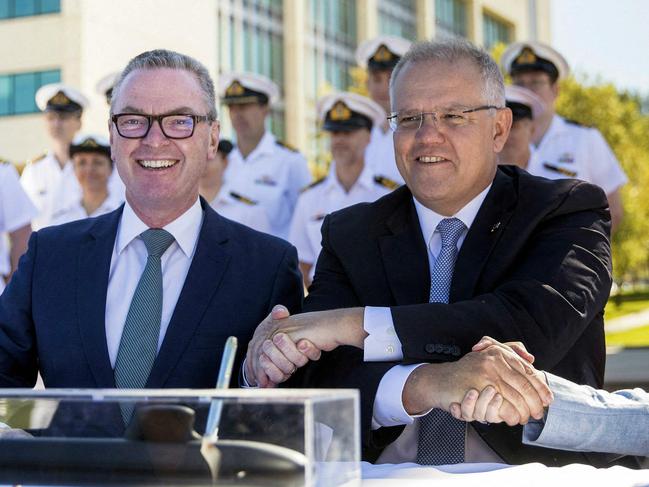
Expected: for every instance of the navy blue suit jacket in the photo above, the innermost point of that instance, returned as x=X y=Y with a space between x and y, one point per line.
x=52 y=312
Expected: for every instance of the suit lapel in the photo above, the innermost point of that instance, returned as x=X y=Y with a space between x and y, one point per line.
x=404 y=254
x=92 y=284
x=487 y=227
x=205 y=273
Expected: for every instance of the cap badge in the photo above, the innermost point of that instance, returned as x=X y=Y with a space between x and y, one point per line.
x=235 y=89
x=60 y=99
x=383 y=54
x=340 y=112
x=526 y=56
x=89 y=142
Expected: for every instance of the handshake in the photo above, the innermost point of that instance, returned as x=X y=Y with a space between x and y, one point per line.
x=493 y=383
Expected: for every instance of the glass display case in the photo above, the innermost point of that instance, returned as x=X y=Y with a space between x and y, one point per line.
x=276 y=437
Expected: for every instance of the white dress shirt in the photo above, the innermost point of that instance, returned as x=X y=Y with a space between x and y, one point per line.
x=16 y=211
x=568 y=150
x=128 y=262
x=272 y=176
x=383 y=344
x=75 y=210
x=321 y=199
x=52 y=187
x=379 y=154
x=241 y=209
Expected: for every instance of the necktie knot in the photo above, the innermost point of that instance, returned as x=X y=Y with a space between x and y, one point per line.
x=450 y=230
x=157 y=241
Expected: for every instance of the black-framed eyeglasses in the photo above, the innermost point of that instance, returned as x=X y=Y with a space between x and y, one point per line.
x=408 y=120
x=176 y=126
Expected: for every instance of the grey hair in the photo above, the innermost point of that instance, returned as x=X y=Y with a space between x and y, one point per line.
x=452 y=51
x=162 y=58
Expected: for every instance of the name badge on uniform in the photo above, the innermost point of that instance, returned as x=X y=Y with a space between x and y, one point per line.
x=566 y=158
x=266 y=181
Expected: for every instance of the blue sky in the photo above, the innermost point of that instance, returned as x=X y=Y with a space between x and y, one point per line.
x=608 y=39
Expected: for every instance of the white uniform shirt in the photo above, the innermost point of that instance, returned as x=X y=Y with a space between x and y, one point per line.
x=76 y=211
x=568 y=150
x=128 y=262
x=16 y=211
x=379 y=155
x=242 y=210
x=321 y=199
x=272 y=176
x=51 y=187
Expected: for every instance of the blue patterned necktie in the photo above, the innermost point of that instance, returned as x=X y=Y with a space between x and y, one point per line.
x=441 y=436
x=139 y=344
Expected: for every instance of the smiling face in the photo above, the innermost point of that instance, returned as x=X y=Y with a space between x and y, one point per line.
x=446 y=167
x=161 y=175
x=92 y=170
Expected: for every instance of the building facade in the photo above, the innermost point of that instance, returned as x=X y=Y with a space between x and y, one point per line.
x=306 y=46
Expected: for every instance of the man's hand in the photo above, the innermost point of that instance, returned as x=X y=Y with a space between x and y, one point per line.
x=488 y=405
x=282 y=343
x=521 y=388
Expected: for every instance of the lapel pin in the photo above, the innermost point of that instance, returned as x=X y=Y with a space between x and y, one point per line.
x=495 y=227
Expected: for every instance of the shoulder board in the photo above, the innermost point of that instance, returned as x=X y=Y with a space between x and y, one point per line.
x=386 y=182
x=578 y=124
x=560 y=170
x=4 y=161
x=39 y=157
x=243 y=199
x=313 y=184
x=286 y=146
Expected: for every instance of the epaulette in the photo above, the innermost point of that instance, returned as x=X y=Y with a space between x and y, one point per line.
x=39 y=157
x=578 y=124
x=313 y=184
x=4 y=161
x=286 y=146
x=243 y=199
x=560 y=170
x=386 y=182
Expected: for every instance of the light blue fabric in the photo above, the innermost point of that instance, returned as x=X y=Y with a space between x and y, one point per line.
x=441 y=436
x=585 y=419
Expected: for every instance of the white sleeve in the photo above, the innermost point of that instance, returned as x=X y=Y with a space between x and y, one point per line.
x=297 y=234
x=382 y=343
x=16 y=209
x=605 y=169
x=388 y=407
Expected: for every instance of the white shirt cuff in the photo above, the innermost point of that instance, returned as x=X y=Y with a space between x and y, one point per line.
x=382 y=343
x=388 y=405
x=244 y=383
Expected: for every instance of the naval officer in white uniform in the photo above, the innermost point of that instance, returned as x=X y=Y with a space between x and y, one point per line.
x=380 y=55
x=261 y=168
x=564 y=149
x=348 y=118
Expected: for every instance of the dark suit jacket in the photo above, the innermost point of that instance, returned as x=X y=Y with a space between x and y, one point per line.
x=535 y=266
x=52 y=313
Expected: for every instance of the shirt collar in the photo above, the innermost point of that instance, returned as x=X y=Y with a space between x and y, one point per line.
x=365 y=178
x=265 y=146
x=428 y=219
x=185 y=229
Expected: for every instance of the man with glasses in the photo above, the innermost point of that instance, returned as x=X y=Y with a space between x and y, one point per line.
x=405 y=286
x=150 y=291
x=563 y=148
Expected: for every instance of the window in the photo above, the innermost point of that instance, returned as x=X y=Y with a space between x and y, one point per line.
x=17 y=90
x=255 y=31
x=451 y=18
x=330 y=46
x=397 y=18
x=495 y=31
x=24 y=8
